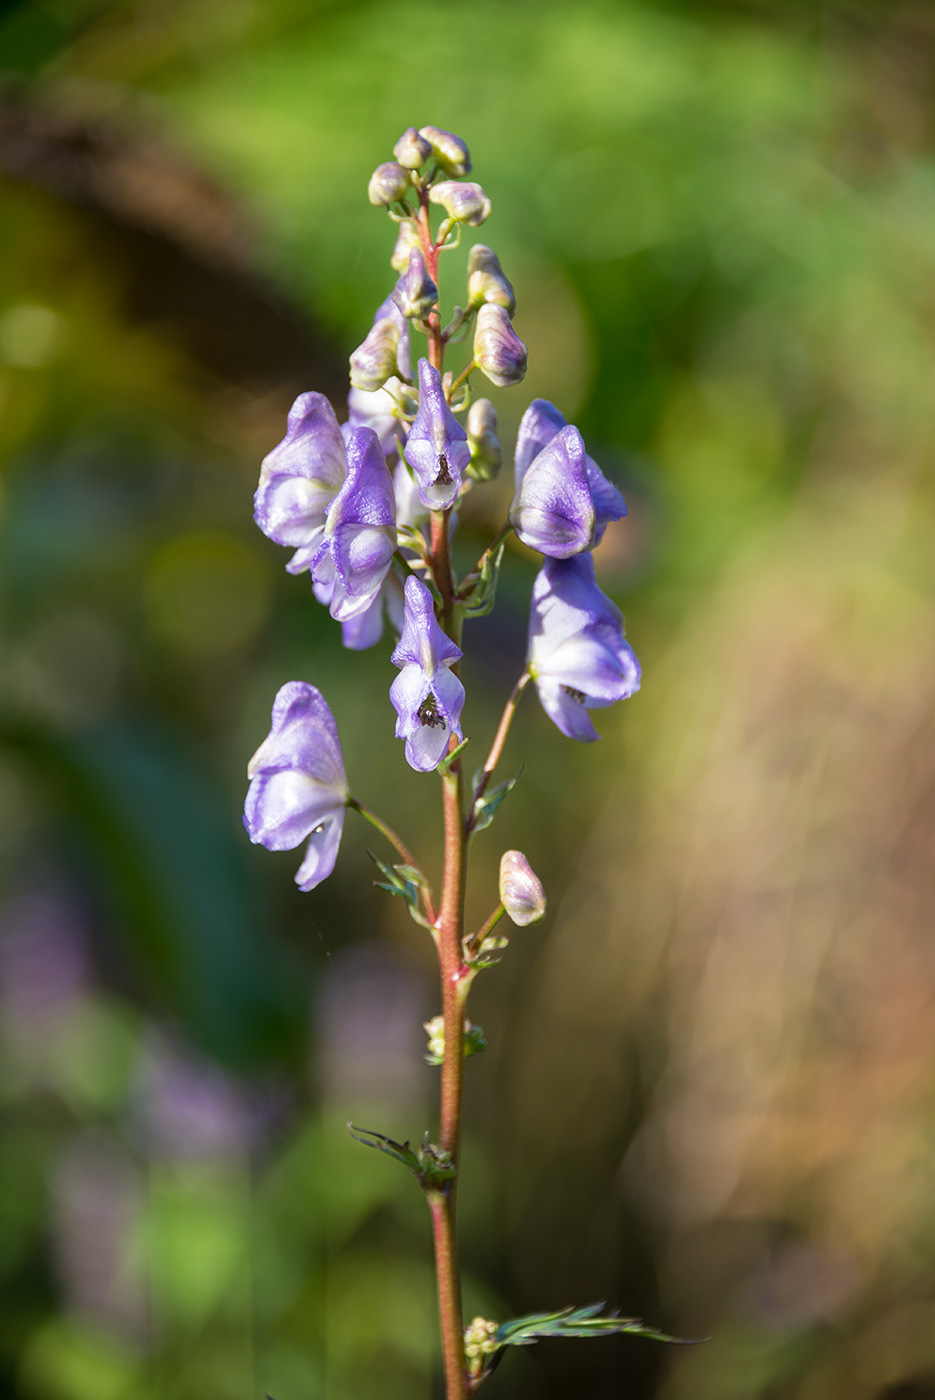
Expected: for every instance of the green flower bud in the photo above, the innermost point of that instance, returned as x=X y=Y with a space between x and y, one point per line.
x=486 y=455
x=389 y=183
x=465 y=203
x=412 y=149
x=449 y=150
x=498 y=350
x=374 y=361
x=407 y=239
x=486 y=281
x=474 y=1039
x=480 y=1340
x=521 y=892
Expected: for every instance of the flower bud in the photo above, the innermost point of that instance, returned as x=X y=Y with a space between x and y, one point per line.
x=374 y=361
x=465 y=203
x=407 y=239
x=486 y=281
x=415 y=293
x=388 y=183
x=486 y=456
x=412 y=149
x=498 y=350
x=474 y=1039
x=521 y=892
x=449 y=150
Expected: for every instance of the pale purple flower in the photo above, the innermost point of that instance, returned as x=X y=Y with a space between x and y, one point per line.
x=297 y=784
x=577 y=653
x=365 y=629
x=426 y=694
x=553 y=510
x=359 y=537
x=437 y=447
x=300 y=478
x=541 y=423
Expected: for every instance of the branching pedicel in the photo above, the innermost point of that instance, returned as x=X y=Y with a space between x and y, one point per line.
x=367 y=508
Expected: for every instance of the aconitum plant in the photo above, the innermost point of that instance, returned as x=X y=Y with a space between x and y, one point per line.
x=368 y=508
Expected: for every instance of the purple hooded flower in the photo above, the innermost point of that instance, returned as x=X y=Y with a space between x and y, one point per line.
x=541 y=424
x=437 y=447
x=297 y=784
x=577 y=653
x=300 y=478
x=553 y=510
x=426 y=694
x=359 y=537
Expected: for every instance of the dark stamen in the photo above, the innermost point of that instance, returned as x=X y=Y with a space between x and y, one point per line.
x=577 y=695
x=444 y=477
x=428 y=713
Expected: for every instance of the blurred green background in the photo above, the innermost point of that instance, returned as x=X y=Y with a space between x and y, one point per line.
x=710 y=1091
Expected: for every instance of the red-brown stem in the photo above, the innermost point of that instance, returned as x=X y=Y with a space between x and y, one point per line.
x=441 y=1205
x=436 y=345
x=455 y=981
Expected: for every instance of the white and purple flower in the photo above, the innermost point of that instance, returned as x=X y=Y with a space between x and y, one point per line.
x=578 y=657
x=437 y=447
x=563 y=501
x=427 y=695
x=300 y=478
x=298 y=788
x=359 y=537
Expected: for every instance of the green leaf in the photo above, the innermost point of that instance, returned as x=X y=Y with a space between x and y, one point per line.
x=575 y=1322
x=402 y=880
x=486 y=806
x=445 y=765
x=433 y=1167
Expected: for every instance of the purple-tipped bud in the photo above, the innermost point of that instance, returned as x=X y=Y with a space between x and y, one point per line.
x=415 y=293
x=374 y=361
x=486 y=454
x=498 y=350
x=412 y=149
x=436 y=448
x=450 y=151
x=389 y=183
x=553 y=510
x=297 y=783
x=486 y=281
x=521 y=892
x=465 y=203
x=407 y=239
x=577 y=656
x=427 y=695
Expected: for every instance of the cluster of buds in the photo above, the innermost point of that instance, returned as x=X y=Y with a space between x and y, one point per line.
x=480 y=1343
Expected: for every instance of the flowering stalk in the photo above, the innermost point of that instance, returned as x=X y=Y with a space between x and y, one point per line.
x=367 y=507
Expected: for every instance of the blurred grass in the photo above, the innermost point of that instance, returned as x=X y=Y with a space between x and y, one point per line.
x=708 y=1092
